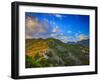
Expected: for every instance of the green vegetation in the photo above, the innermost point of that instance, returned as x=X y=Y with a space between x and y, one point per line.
x=52 y=52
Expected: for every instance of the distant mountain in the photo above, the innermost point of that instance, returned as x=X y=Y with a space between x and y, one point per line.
x=53 y=52
x=71 y=43
x=84 y=42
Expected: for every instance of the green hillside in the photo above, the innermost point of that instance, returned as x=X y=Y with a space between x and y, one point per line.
x=52 y=52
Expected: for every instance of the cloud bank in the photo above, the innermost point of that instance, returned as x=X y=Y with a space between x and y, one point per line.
x=36 y=28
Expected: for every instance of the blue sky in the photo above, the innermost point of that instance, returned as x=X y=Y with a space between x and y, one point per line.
x=65 y=27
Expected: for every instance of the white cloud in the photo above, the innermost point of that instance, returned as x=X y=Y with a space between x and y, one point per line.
x=82 y=37
x=62 y=34
x=59 y=16
x=55 y=29
x=52 y=35
x=34 y=26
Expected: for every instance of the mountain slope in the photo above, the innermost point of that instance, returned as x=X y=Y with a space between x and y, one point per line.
x=84 y=42
x=52 y=52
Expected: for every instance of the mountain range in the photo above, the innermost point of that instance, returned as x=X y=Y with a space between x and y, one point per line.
x=52 y=52
x=82 y=42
